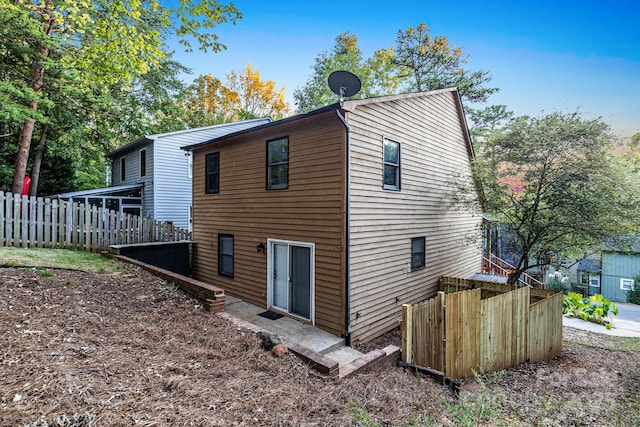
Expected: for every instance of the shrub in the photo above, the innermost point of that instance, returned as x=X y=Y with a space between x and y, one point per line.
x=557 y=282
x=593 y=309
x=633 y=296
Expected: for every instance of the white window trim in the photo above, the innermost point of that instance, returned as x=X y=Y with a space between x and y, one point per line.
x=398 y=167
x=626 y=284
x=594 y=278
x=312 y=246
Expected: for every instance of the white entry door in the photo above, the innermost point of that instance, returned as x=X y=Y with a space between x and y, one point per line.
x=291 y=273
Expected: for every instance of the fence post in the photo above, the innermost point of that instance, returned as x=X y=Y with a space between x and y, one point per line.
x=24 y=214
x=2 y=218
x=443 y=330
x=407 y=333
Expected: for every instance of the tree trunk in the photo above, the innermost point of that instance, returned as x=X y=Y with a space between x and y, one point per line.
x=37 y=163
x=37 y=81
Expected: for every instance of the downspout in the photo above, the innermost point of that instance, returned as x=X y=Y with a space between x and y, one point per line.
x=347 y=273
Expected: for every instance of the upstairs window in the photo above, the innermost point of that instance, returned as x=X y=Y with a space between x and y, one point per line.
x=123 y=167
x=417 y=253
x=391 y=166
x=278 y=164
x=143 y=163
x=212 y=173
x=225 y=255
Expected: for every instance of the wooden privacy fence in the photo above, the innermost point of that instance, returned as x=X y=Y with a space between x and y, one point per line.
x=52 y=223
x=462 y=332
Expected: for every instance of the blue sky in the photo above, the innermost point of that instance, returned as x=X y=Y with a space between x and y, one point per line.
x=544 y=55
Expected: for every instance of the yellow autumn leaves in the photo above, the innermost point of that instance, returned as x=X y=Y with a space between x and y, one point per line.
x=243 y=96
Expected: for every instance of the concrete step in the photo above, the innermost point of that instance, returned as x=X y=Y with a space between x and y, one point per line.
x=343 y=355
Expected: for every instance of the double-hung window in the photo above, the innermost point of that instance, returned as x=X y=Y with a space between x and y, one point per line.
x=212 y=173
x=278 y=163
x=391 y=165
x=626 y=284
x=417 y=253
x=225 y=255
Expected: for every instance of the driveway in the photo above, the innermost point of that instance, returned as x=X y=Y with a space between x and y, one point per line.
x=625 y=324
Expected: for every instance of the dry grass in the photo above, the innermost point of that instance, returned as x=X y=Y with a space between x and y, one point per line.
x=127 y=348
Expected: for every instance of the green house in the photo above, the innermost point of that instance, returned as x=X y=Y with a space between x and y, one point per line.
x=618 y=272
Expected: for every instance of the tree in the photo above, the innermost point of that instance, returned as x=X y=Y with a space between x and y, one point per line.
x=432 y=63
x=552 y=183
x=90 y=46
x=377 y=74
x=251 y=97
x=243 y=96
x=485 y=121
x=206 y=102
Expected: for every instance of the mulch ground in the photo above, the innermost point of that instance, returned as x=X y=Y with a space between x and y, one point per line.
x=128 y=349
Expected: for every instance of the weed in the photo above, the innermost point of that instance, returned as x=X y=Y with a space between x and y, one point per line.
x=360 y=415
x=473 y=409
x=44 y=272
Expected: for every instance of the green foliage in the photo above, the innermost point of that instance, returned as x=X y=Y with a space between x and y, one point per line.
x=473 y=409
x=432 y=63
x=557 y=282
x=633 y=296
x=378 y=74
x=593 y=309
x=58 y=258
x=68 y=64
x=360 y=415
x=44 y=272
x=554 y=186
x=556 y=285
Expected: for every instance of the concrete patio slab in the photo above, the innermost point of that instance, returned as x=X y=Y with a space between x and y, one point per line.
x=293 y=331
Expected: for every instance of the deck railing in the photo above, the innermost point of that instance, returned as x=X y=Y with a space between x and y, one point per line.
x=52 y=223
x=498 y=266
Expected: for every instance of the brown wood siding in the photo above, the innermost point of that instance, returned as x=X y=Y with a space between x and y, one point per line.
x=433 y=147
x=310 y=210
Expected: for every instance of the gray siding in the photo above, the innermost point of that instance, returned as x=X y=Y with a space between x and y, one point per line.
x=132 y=174
x=383 y=222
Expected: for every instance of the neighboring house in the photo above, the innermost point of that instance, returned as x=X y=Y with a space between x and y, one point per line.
x=338 y=216
x=151 y=176
x=618 y=272
x=588 y=275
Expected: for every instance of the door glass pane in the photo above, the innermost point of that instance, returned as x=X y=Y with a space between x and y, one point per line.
x=301 y=281
x=281 y=276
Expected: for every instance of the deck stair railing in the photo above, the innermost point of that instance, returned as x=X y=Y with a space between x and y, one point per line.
x=500 y=267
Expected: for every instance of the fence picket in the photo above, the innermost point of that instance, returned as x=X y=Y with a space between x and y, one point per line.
x=52 y=223
x=2 y=217
x=481 y=329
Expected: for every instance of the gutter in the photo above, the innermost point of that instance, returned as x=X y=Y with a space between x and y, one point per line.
x=347 y=274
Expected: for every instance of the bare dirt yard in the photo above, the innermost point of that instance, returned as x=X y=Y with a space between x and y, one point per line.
x=129 y=349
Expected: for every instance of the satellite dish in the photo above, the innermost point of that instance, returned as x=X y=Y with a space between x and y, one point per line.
x=344 y=83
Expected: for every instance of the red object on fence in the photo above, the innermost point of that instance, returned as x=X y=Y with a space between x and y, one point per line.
x=25 y=186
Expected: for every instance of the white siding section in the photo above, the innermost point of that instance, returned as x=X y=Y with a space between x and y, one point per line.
x=172 y=184
x=433 y=148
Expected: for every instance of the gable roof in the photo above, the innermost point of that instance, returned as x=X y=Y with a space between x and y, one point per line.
x=331 y=107
x=351 y=105
x=212 y=130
